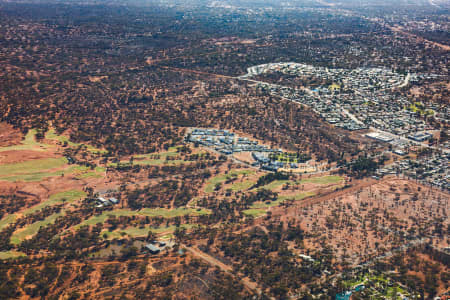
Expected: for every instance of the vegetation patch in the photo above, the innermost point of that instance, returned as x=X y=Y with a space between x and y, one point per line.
x=296 y=197
x=255 y=212
x=288 y=157
x=243 y=185
x=51 y=135
x=55 y=199
x=30 y=230
x=276 y=184
x=32 y=166
x=29 y=143
x=146 y=212
x=79 y=172
x=5 y=221
x=419 y=107
x=11 y=254
x=323 y=180
x=142 y=231
x=152 y=159
x=213 y=182
x=280 y=200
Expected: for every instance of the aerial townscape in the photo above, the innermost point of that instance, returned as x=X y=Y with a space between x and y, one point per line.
x=225 y=149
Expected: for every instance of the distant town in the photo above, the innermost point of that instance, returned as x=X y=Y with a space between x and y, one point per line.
x=364 y=99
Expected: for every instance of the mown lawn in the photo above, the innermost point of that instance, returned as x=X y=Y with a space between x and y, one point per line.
x=323 y=180
x=142 y=232
x=276 y=184
x=148 y=160
x=5 y=221
x=255 y=212
x=210 y=186
x=150 y=212
x=315 y=180
x=11 y=254
x=280 y=199
x=32 y=166
x=59 y=198
x=39 y=176
x=79 y=172
x=51 y=135
x=242 y=186
x=29 y=143
x=21 y=234
x=299 y=196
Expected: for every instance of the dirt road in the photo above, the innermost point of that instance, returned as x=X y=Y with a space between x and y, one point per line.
x=226 y=268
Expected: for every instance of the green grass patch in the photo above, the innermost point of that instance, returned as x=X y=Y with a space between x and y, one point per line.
x=79 y=172
x=41 y=175
x=243 y=185
x=146 y=212
x=280 y=200
x=334 y=87
x=162 y=155
x=32 y=166
x=152 y=159
x=255 y=212
x=11 y=254
x=59 y=198
x=276 y=184
x=98 y=172
x=157 y=162
x=51 y=135
x=222 y=178
x=5 y=221
x=20 y=235
x=323 y=180
x=296 y=197
x=419 y=107
x=143 y=231
x=29 y=143
x=288 y=157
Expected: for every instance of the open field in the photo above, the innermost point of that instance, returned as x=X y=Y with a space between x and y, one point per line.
x=38 y=170
x=142 y=231
x=32 y=161
x=32 y=166
x=154 y=159
x=11 y=254
x=59 y=198
x=280 y=199
x=28 y=231
x=150 y=212
x=255 y=212
x=5 y=221
x=51 y=135
x=29 y=143
x=259 y=208
x=297 y=196
x=276 y=184
x=210 y=186
x=323 y=180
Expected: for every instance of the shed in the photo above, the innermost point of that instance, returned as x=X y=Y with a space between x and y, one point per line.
x=113 y=200
x=153 y=248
